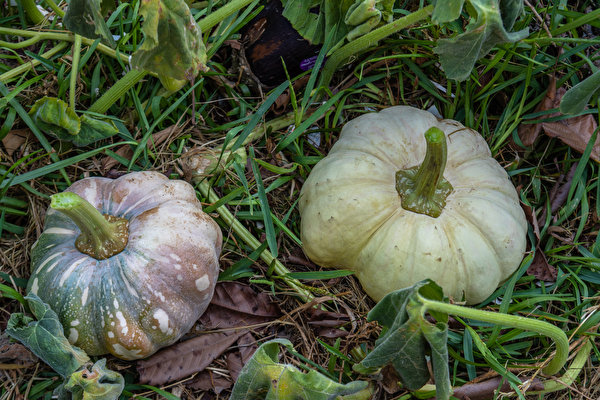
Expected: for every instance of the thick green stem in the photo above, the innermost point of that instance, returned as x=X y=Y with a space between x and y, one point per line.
x=369 y=40
x=36 y=36
x=251 y=241
x=22 y=69
x=101 y=236
x=219 y=15
x=74 y=71
x=423 y=189
x=117 y=91
x=513 y=321
x=567 y=379
x=33 y=13
x=55 y=8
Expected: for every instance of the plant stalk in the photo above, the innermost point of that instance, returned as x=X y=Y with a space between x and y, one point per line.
x=219 y=15
x=251 y=241
x=74 y=71
x=32 y=11
x=368 y=40
x=117 y=91
x=22 y=69
x=424 y=190
x=101 y=236
x=514 y=321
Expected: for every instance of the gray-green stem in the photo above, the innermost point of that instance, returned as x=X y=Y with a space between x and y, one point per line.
x=101 y=236
x=424 y=189
x=514 y=321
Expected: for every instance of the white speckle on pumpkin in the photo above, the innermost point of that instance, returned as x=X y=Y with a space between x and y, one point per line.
x=73 y=335
x=160 y=295
x=177 y=266
x=154 y=327
x=175 y=257
x=122 y=322
x=202 y=283
x=110 y=334
x=194 y=266
x=127 y=354
x=51 y=267
x=35 y=286
x=163 y=320
x=179 y=277
x=84 y=296
x=70 y=270
x=75 y=322
x=112 y=323
x=116 y=305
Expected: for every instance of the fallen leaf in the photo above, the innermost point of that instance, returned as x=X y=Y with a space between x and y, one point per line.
x=390 y=381
x=247 y=345
x=541 y=269
x=14 y=139
x=236 y=305
x=15 y=354
x=185 y=358
x=208 y=380
x=327 y=319
x=575 y=132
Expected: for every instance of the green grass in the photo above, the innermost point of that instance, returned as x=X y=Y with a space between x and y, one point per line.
x=254 y=199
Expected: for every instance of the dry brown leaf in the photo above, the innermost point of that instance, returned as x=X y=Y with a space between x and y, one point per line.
x=575 y=132
x=390 y=380
x=14 y=355
x=247 y=345
x=541 y=269
x=185 y=358
x=327 y=319
x=127 y=152
x=237 y=305
x=208 y=380
x=14 y=139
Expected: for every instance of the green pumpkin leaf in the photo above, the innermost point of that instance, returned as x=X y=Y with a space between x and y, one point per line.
x=97 y=383
x=93 y=129
x=408 y=338
x=446 y=10
x=173 y=46
x=348 y=19
x=264 y=378
x=576 y=98
x=56 y=118
x=486 y=29
x=86 y=18
x=45 y=337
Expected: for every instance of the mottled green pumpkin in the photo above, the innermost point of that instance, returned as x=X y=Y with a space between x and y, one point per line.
x=130 y=301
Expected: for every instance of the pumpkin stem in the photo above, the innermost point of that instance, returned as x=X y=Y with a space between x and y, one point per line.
x=424 y=189
x=102 y=236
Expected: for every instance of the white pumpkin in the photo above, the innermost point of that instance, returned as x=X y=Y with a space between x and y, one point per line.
x=469 y=240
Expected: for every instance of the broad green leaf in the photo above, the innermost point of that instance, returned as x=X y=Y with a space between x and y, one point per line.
x=485 y=30
x=446 y=10
x=86 y=18
x=97 y=383
x=510 y=10
x=94 y=129
x=576 y=98
x=264 y=378
x=408 y=338
x=348 y=19
x=173 y=46
x=45 y=337
x=56 y=118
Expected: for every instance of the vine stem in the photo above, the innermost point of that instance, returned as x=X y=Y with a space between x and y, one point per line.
x=557 y=335
x=59 y=36
x=572 y=372
x=74 y=71
x=251 y=241
x=368 y=40
x=219 y=15
x=55 y=8
x=32 y=11
x=117 y=91
x=21 y=69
